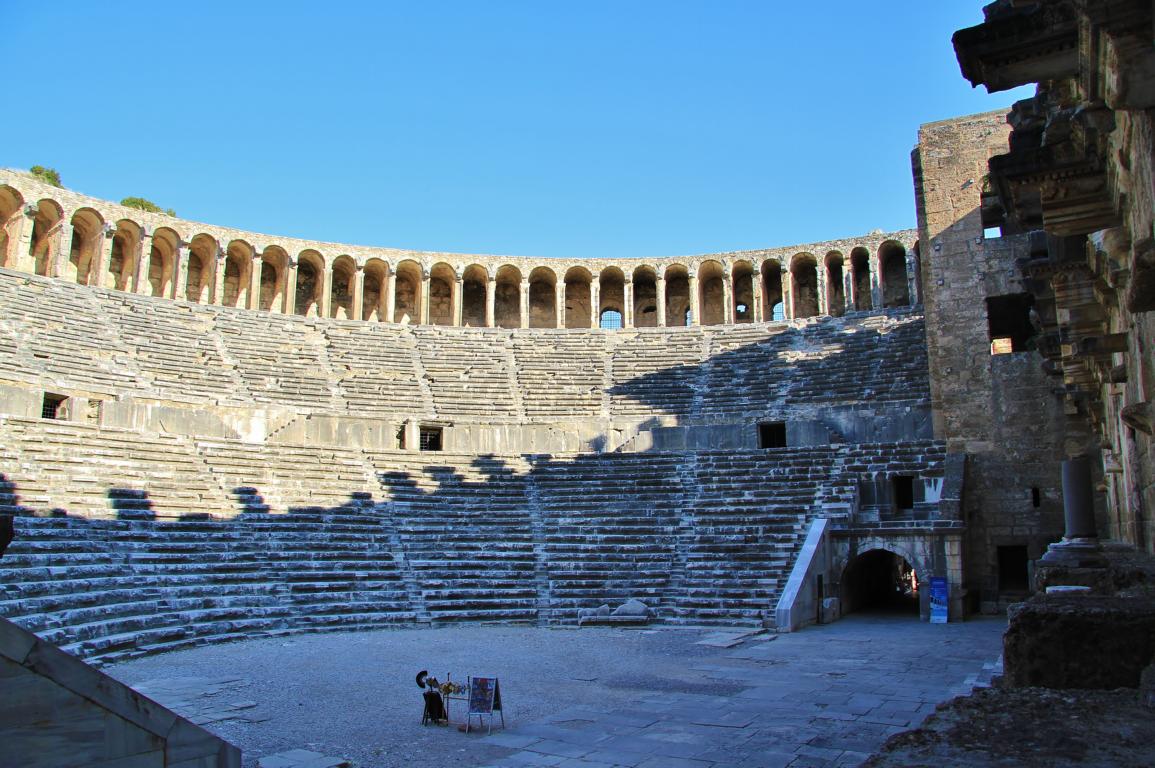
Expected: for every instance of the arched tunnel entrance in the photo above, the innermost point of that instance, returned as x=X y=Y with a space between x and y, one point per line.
x=880 y=581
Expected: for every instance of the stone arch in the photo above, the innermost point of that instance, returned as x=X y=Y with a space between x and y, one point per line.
x=11 y=226
x=835 y=284
x=310 y=283
x=507 y=297
x=442 y=280
x=578 y=297
x=881 y=577
x=85 y=247
x=645 y=297
x=742 y=289
x=274 y=266
x=542 y=298
x=161 y=267
x=45 y=245
x=344 y=272
x=473 y=296
x=238 y=271
x=860 y=279
x=773 y=307
x=892 y=267
x=407 y=292
x=711 y=293
x=804 y=276
x=611 y=294
x=200 y=271
x=373 y=290
x=677 y=295
x=122 y=263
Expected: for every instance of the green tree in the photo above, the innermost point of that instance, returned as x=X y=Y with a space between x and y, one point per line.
x=146 y=205
x=47 y=175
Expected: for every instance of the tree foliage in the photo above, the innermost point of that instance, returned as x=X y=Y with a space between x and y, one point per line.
x=47 y=175
x=146 y=205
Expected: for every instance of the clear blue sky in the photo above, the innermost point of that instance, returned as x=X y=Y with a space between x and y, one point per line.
x=592 y=128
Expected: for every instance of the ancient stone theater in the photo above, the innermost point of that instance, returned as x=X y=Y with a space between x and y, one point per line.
x=209 y=434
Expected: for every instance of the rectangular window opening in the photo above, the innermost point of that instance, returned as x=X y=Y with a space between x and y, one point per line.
x=772 y=434
x=430 y=438
x=1036 y=497
x=53 y=406
x=1013 y=568
x=904 y=491
x=1010 y=323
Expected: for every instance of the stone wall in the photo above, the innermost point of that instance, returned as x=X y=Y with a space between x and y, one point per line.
x=1000 y=409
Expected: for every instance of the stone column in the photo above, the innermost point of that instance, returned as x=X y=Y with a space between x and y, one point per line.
x=787 y=294
x=660 y=287
x=254 y=298
x=559 y=302
x=756 y=297
x=1080 y=545
x=423 y=312
x=823 y=299
x=358 y=293
x=695 y=302
x=458 y=299
x=63 y=250
x=22 y=238
x=628 y=302
x=290 y=302
x=875 y=281
x=727 y=297
x=218 y=294
x=523 y=294
x=390 y=296
x=103 y=258
x=180 y=271
x=595 y=303
x=490 y=301
x=847 y=288
x=140 y=271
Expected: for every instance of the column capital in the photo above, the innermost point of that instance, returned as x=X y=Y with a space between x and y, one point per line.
x=109 y=231
x=31 y=209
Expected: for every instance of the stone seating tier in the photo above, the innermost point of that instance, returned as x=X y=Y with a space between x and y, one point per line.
x=74 y=338
x=238 y=540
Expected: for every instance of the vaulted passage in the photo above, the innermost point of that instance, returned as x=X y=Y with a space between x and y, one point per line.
x=882 y=581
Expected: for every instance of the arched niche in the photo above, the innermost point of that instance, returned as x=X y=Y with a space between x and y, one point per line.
x=442 y=281
x=200 y=271
x=122 y=262
x=895 y=285
x=507 y=297
x=407 y=292
x=578 y=297
x=373 y=290
x=645 y=297
x=711 y=293
x=677 y=295
x=835 y=284
x=611 y=294
x=11 y=225
x=274 y=264
x=341 y=288
x=45 y=244
x=238 y=268
x=860 y=279
x=773 y=307
x=310 y=283
x=542 y=298
x=85 y=247
x=473 y=296
x=162 y=262
x=742 y=281
x=804 y=276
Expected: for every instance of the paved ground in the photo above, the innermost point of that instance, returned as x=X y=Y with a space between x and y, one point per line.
x=590 y=698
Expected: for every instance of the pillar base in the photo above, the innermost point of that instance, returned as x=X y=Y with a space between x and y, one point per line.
x=1075 y=553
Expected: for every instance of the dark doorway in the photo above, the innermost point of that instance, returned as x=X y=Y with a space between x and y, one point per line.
x=1013 y=569
x=772 y=434
x=430 y=438
x=880 y=581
